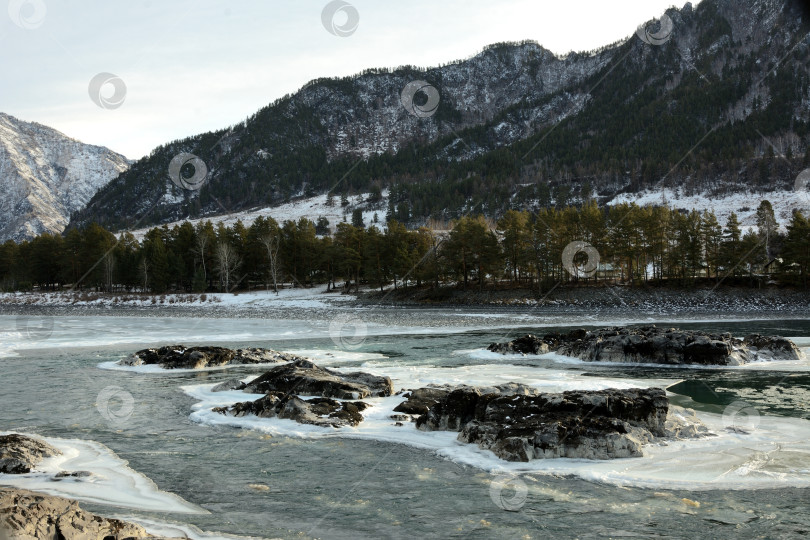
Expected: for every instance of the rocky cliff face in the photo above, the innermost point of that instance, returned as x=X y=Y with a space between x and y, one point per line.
x=45 y=176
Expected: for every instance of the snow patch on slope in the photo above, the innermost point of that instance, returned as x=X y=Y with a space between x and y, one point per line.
x=743 y=204
x=311 y=208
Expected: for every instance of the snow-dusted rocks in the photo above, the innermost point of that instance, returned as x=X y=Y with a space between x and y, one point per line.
x=283 y=385
x=302 y=377
x=653 y=345
x=182 y=357
x=318 y=411
x=603 y=424
x=45 y=176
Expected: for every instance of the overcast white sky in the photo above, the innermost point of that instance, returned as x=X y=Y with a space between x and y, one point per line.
x=196 y=65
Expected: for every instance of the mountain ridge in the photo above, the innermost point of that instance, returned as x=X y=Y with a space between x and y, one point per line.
x=46 y=176
x=516 y=126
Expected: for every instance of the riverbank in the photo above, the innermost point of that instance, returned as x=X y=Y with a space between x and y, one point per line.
x=457 y=306
x=29 y=514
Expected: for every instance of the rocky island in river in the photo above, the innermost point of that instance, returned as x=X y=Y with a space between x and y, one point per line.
x=514 y=421
x=653 y=345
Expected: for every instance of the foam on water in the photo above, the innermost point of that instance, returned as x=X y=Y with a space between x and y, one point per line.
x=782 y=365
x=179 y=530
x=546 y=380
x=112 y=481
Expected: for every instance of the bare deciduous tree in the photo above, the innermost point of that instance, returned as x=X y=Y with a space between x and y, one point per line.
x=228 y=261
x=144 y=268
x=199 y=249
x=109 y=268
x=271 y=244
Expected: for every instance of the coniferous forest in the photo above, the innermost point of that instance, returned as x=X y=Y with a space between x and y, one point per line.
x=576 y=246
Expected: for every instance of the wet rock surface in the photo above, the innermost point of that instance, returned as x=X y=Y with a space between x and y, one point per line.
x=284 y=385
x=20 y=454
x=653 y=345
x=182 y=357
x=303 y=377
x=230 y=384
x=603 y=424
x=420 y=400
x=26 y=515
x=320 y=411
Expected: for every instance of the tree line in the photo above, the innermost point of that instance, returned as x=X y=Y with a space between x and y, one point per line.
x=573 y=245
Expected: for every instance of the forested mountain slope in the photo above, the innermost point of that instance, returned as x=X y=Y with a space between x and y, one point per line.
x=719 y=104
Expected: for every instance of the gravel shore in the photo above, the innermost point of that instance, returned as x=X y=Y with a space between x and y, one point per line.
x=487 y=308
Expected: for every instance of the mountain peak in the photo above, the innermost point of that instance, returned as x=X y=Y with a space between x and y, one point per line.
x=45 y=176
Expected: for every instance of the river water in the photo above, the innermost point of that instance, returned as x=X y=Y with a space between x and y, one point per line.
x=161 y=457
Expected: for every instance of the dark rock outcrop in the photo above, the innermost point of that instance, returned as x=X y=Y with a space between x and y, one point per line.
x=602 y=424
x=27 y=515
x=180 y=356
x=318 y=411
x=419 y=401
x=650 y=344
x=20 y=454
x=302 y=377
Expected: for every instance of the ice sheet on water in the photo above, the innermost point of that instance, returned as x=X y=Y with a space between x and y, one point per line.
x=112 y=482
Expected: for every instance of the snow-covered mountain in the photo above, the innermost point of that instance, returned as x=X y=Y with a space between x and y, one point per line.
x=45 y=176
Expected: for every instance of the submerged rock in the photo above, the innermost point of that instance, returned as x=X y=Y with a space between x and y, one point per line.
x=650 y=344
x=180 y=356
x=19 y=454
x=603 y=424
x=528 y=344
x=319 y=411
x=772 y=348
x=230 y=384
x=29 y=515
x=302 y=377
